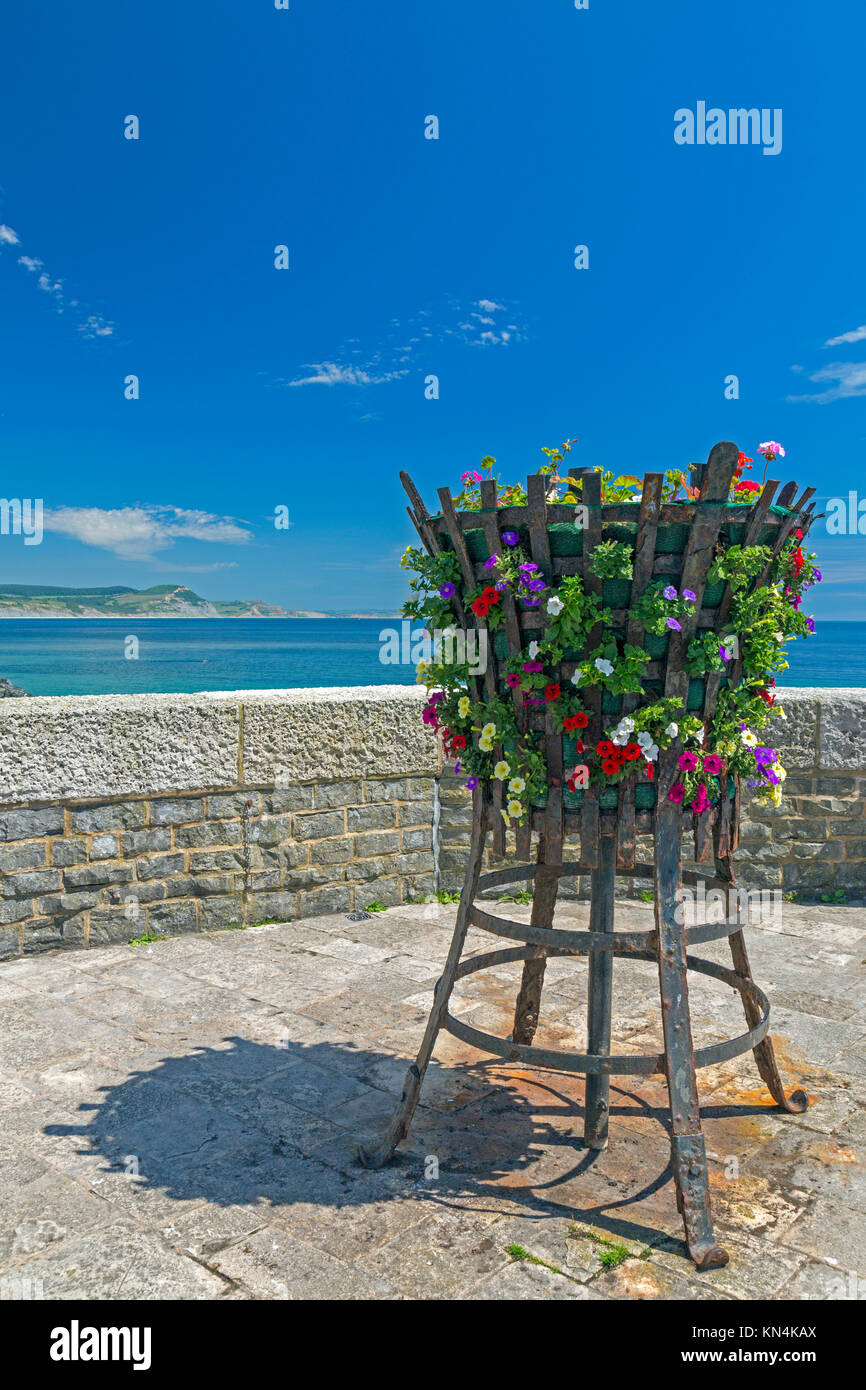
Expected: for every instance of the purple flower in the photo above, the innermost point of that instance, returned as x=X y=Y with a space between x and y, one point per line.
x=456 y=768
x=510 y=538
x=501 y=585
x=471 y=783
x=724 y=654
x=535 y=585
x=810 y=624
x=670 y=592
x=687 y=593
x=447 y=589
x=492 y=562
x=528 y=565
x=677 y=627
x=817 y=576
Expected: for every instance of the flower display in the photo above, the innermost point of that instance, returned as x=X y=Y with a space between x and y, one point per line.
x=499 y=735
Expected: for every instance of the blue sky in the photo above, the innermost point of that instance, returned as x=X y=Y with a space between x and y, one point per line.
x=410 y=257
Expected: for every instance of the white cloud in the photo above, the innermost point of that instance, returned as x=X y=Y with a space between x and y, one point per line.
x=333 y=374
x=30 y=263
x=856 y=335
x=849 y=380
x=93 y=325
x=7 y=236
x=137 y=533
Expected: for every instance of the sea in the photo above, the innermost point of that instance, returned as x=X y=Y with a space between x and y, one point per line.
x=102 y=656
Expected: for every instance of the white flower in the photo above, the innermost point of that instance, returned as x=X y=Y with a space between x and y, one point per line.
x=516 y=785
x=748 y=738
x=575 y=680
x=501 y=770
x=533 y=650
x=485 y=743
x=644 y=738
x=651 y=752
x=606 y=667
x=619 y=737
x=627 y=724
x=555 y=605
x=515 y=809
x=464 y=704
x=489 y=731
x=672 y=730
x=780 y=636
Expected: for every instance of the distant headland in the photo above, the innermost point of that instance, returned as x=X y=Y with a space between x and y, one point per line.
x=161 y=601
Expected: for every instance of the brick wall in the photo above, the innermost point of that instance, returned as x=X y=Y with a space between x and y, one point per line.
x=153 y=815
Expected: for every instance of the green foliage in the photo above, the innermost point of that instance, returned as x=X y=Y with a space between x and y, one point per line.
x=612 y=560
x=375 y=906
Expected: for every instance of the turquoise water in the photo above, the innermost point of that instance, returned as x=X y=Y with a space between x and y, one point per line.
x=81 y=656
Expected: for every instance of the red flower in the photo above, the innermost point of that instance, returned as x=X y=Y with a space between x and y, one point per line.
x=605 y=748
x=632 y=751
x=610 y=766
x=581 y=720
x=552 y=692
x=650 y=772
x=799 y=534
x=458 y=742
x=480 y=607
x=568 y=723
x=580 y=745
x=797 y=558
x=745 y=486
x=490 y=595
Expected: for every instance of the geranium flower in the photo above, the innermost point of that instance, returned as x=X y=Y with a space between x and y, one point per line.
x=447 y=589
x=677 y=792
x=687 y=762
x=745 y=486
x=771 y=450
x=713 y=764
x=552 y=692
x=510 y=537
x=677 y=627
x=470 y=477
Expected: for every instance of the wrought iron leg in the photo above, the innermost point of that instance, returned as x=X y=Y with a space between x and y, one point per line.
x=599 y=994
x=764 y=1054
x=379 y=1155
x=688 y=1151
x=545 y=888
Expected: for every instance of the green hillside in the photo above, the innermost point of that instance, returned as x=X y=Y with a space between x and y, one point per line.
x=161 y=600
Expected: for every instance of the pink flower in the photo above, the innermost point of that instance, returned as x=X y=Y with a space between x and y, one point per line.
x=531 y=666
x=512 y=680
x=470 y=477
x=713 y=764
x=687 y=762
x=677 y=792
x=771 y=450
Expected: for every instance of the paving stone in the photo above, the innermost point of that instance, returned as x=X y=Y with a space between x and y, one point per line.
x=121 y=1261
x=274 y=1264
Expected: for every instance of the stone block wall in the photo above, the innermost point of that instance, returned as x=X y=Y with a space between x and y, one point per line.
x=122 y=817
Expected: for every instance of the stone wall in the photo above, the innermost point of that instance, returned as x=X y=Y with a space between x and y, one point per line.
x=149 y=815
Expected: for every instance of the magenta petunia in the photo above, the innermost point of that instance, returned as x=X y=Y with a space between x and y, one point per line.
x=713 y=764
x=677 y=792
x=687 y=762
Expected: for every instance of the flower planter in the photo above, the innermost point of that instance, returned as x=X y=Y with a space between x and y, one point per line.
x=662 y=591
x=574 y=672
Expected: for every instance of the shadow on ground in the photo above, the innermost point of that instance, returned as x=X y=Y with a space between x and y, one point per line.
x=249 y=1124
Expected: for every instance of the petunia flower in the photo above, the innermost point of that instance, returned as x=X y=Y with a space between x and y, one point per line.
x=555 y=605
x=687 y=762
x=677 y=792
x=510 y=537
x=603 y=665
x=447 y=589
x=552 y=692
x=672 y=730
x=672 y=623
x=533 y=650
x=690 y=595
x=501 y=770
x=492 y=562
x=713 y=764
x=512 y=680
x=471 y=783
x=669 y=592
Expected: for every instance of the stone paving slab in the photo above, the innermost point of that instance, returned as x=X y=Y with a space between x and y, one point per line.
x=180 y=1120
